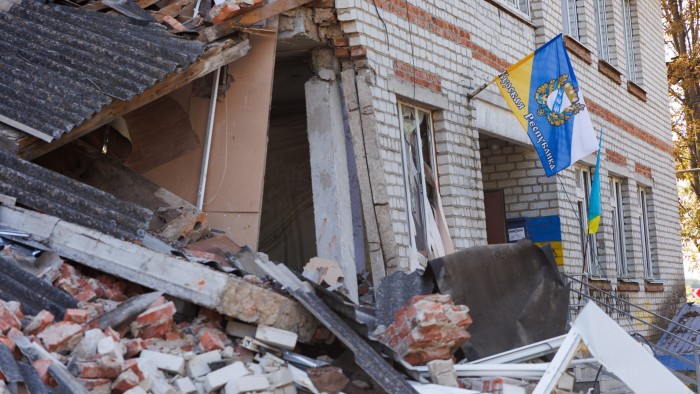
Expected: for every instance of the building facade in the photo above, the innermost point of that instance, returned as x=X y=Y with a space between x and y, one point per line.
x=426 y=58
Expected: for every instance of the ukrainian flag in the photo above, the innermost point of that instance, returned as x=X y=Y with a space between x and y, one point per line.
x=594 y=208
x=542 y=91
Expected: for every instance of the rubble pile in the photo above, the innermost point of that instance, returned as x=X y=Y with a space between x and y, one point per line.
x=149 y=351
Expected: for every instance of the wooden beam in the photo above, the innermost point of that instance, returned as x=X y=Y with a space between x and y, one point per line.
x=215 y=57
x=255 y=15
x=189 y=281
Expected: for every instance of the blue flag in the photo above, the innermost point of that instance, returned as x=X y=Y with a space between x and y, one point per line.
x=542 y=91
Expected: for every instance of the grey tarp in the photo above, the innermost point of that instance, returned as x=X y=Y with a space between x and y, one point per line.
x=514 y=292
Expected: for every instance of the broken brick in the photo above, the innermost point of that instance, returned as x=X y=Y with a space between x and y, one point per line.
x=8 y=319
x=133 y=365
x=125 y=381
x=328 y=379
x=7 y=342
x=42 y=320
x=61 y=337
x=42 y=368
x=212 y=339
x=133 y=347
x=96 y=370
x=223 y=11
x=157 y=314
x=78 y=316
x=428 y=327
x=16 y=308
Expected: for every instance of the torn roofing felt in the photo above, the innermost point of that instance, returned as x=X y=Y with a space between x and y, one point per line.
x=514 y=293
x=70 y=200
x=60 y=65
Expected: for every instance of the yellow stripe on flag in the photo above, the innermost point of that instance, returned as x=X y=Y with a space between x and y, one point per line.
x=515 y=87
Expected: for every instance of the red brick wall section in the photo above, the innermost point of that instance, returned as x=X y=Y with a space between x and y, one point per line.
x=420 y=77
x=615 y=157
x=628 y=127
x=642 y=169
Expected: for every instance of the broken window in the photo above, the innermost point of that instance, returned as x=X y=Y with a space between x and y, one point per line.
x=584 y=176
x=618 y=216
x=427 y=229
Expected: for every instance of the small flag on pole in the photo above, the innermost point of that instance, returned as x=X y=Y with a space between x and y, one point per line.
x=542 y=91
x=594 y=208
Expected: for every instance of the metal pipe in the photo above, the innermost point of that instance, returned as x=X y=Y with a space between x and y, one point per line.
x=207 y=140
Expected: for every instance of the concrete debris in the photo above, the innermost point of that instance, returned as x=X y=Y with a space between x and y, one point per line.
x=328 y=379
x=323 y=271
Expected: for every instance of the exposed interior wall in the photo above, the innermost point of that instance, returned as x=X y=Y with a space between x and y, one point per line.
x=233 y=197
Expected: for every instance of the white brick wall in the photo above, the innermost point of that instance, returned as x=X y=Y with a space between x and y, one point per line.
x=462 y=68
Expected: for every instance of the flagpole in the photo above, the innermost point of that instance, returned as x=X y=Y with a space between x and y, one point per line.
x=478 y=90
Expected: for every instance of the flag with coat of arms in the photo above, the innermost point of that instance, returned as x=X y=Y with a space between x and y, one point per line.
x=543 y=93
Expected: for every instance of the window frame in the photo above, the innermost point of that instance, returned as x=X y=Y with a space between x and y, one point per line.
x=602 y=32
x=406 y=150
x=619 y=228
x=521 y=6
x=645 y=233
x=630 y=44
x=566 y=10
x=584 y=182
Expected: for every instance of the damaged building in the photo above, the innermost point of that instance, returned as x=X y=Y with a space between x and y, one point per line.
x=159 y=155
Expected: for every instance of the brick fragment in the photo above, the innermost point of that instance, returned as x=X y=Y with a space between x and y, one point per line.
x=125 y=381
x=78 y=316
x=42 y=367
x=212 y=339
x=428 y=327
x=61 y=337
x=95 y=370
x=154 y=322
x=7 y=342
x=42 y=320
x=8 y=319
x=15 y=307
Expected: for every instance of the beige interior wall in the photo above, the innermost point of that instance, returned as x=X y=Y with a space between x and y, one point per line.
x=233 y=196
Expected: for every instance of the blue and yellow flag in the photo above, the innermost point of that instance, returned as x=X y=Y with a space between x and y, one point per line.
x=594 y=208
x=542 y=91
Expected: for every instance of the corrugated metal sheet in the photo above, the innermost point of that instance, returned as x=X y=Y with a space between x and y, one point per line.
x=60 y=65
x=70 y=200
x=689 y=316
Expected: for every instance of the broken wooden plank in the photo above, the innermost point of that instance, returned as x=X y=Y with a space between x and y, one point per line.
x=255 y=15
x=182 y=279
x=213 y=58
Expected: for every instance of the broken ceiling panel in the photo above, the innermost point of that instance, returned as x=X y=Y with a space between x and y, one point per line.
x=60 y=65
